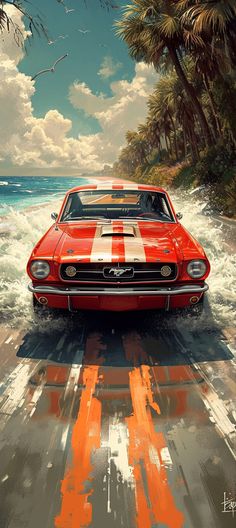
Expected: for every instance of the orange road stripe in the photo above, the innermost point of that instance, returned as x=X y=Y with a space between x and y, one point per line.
x=154 y=500
x=76 y=510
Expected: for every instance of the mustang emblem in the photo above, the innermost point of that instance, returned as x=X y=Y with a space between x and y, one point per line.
x=118 y=272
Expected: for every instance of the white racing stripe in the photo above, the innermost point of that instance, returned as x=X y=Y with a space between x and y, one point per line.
x=131 y=187
x=134 y=247
x=103 y=187
x=101 y=248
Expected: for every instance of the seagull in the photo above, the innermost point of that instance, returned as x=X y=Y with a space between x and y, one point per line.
x=84 y=31
x=67 y=10
x=59 y=37
x=52 y=69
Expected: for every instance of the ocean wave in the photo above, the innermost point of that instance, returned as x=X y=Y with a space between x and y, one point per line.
x=20 y=230
x=3 y=183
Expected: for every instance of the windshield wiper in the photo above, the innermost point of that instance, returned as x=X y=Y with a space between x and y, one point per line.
x=141 y=218
x=85 y=218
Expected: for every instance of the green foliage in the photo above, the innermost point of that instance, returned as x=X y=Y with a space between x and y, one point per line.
x=192 y=46
x=224 y=198
x=161 y=174
x=185 y=177
x=218 y=165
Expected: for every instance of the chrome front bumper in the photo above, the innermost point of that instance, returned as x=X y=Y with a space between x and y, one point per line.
x=74 y=290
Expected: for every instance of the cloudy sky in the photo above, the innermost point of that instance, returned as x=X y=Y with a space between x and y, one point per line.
x=74 y=120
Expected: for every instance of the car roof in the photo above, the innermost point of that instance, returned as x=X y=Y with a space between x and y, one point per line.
x=116 y=186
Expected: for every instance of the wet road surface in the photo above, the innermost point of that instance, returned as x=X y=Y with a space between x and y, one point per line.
x=123 y=420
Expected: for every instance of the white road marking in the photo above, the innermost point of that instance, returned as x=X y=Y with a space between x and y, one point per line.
x=165 y=457
x=118 y=442
x=8 y=340
x=13 y=397
x=217 y=412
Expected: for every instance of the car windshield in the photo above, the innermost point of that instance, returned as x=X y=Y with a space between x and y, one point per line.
x=117 y=204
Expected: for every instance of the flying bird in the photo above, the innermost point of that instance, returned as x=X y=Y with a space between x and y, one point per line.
x=84 y=31
x=67 y=10
x=52 y=69
x=56 y=39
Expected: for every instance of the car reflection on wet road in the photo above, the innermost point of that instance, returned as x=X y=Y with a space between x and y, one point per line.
x=117 y=421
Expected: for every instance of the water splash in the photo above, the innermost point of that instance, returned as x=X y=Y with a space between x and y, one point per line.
x=20 y=230
x=217 y=241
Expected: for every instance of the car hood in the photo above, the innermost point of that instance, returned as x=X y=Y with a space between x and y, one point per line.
x=142 y=241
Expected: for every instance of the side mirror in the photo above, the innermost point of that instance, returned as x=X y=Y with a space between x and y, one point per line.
x=54 y=216
x=179 y=216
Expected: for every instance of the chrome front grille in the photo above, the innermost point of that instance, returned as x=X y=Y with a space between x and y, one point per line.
x=119 y=272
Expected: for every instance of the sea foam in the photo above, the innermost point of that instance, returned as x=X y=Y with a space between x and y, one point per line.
x=20 y=230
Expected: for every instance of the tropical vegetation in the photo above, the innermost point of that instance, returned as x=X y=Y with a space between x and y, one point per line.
x=192 y=112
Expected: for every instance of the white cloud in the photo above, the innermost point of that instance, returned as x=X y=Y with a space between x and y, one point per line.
x=124 y=110
x=109 y=68
x=8 y=45
x=45 y=143
x=27 y=141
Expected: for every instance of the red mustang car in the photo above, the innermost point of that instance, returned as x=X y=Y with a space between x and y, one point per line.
x=117 y=247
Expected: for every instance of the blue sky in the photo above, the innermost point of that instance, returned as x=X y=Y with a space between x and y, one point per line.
x=86 y=53
x=74 y=120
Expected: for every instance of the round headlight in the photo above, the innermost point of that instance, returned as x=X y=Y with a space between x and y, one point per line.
x=71 y=271
x=40 y=269
x=196 y=269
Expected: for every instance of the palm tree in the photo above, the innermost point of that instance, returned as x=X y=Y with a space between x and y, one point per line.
x=156 y=32
x=214 y=21
x=163 y=105
x=150 y=132
x=138 y=144
x=214 y=18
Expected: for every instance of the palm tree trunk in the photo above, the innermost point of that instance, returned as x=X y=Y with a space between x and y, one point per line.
x=166 y=142
x=185 y=142
x=193 y=145
x=175 y=138
x=213 y=105
x=190 y=90
x=170 y=145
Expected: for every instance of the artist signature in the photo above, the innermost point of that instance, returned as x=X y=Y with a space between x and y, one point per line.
x=229 y=504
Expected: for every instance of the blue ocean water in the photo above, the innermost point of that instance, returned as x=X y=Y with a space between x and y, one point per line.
x=20 y=192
